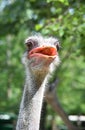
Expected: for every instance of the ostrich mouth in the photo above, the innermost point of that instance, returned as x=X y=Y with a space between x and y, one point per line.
x=44 y=52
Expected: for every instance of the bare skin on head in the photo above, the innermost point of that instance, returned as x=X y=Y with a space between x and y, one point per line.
x=39 y=61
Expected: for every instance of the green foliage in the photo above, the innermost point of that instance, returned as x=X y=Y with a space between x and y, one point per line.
x=64 y=19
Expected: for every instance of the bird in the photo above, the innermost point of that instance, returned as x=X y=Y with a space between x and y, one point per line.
x=40 y=60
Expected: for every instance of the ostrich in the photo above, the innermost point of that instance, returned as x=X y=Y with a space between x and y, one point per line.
x=39 y=61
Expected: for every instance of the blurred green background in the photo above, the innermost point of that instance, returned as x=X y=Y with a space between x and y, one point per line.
x=64 y=19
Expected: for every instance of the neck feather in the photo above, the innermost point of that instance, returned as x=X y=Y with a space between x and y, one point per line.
x=31 y=104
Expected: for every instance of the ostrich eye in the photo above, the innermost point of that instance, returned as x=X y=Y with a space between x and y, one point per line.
x=57 y=45
x=30 y=44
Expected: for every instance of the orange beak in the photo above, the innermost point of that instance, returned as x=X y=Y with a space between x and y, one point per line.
x=43 y=51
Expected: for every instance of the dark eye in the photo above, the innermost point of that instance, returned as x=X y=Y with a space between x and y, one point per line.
x=30 y=44
x=57 y=45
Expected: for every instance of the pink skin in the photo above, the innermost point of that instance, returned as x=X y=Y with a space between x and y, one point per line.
x=43 y=55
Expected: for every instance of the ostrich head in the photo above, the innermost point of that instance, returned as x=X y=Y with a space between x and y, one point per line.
x=41 y=55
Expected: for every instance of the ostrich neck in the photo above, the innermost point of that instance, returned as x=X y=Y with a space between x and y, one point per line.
x=31 y=104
